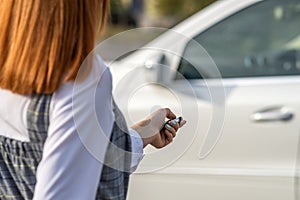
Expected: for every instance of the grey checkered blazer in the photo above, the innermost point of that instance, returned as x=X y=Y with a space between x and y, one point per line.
x=19 y=160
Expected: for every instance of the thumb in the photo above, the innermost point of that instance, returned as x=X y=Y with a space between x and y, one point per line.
x=169 y=114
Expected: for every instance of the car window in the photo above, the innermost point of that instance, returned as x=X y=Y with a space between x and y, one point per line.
x=261 y=40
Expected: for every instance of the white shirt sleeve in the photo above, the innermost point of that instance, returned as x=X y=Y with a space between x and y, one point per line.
x=81 y=121
x=137 y=149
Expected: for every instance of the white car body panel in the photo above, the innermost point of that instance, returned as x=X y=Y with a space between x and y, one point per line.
x=251 y=160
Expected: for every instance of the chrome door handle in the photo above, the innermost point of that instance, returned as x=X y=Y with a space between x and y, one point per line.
x=272 y=114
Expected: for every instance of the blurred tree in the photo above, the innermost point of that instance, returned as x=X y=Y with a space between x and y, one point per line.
x=154 y=12
x=173 y=10
x=126 y=12
x=175 y=7
x=117 y=11
x=164 y=13
x=192 y=6
x=168 y=7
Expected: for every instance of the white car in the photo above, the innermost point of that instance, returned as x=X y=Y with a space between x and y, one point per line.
x=233 y=72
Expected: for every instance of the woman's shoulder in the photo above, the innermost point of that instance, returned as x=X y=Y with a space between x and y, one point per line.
x=98 y=79
x=84 y=96
x=83 y=102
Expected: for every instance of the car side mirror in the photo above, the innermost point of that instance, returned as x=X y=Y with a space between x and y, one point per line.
x=157 y=69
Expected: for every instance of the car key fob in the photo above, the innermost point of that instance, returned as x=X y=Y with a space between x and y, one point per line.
x=178 y=120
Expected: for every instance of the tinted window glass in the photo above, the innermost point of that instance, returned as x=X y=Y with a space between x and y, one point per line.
x=261 y=40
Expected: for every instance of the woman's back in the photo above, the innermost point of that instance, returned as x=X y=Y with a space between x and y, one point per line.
x=49 y=132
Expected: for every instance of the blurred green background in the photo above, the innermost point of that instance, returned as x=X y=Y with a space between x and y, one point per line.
x=129 y=14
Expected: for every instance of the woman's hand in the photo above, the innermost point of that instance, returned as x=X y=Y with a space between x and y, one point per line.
x=152 y=131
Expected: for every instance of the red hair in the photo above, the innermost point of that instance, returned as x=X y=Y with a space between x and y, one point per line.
x=44 y=42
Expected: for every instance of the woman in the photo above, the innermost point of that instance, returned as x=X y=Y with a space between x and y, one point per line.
x=50 y=146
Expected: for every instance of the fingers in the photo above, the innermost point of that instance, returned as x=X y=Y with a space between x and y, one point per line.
x=172 y=128
x=169 y=113
x=174 y=124
x=169 y=136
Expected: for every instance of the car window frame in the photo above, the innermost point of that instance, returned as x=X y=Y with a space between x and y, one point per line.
x=202 y=31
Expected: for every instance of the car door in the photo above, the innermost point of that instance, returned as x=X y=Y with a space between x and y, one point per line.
x=253 y=152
